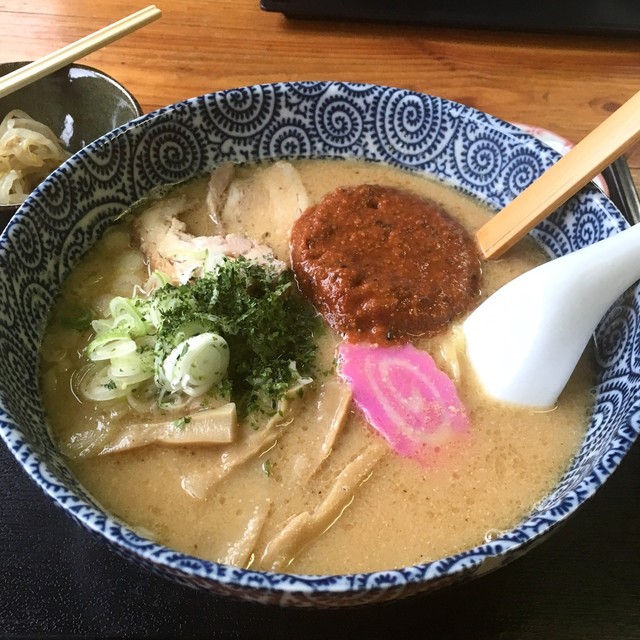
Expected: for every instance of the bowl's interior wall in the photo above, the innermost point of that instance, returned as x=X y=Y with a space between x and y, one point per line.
x=78 y=103
x=480 y=155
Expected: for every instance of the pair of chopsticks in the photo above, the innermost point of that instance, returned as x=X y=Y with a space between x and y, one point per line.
x=58 y=59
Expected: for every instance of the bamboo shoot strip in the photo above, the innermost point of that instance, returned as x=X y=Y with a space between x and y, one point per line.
x=305 y=527
x=212 y=426
x=239 y=553
x=207 y=427
x=199 y=484
x=334 y=405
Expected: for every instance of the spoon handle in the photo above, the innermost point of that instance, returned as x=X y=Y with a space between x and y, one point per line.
x=557 y=184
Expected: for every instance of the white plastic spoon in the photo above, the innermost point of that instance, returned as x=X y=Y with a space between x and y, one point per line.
x=525 y=340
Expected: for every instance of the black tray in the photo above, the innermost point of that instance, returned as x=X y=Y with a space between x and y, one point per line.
x=579 y=16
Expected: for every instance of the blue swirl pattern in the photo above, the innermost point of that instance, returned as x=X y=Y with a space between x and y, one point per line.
x=409 y=130
x=472 y=151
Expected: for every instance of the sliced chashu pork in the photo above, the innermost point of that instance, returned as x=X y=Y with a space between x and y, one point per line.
x=245 y=212
x=170 y=249
x=265 y=205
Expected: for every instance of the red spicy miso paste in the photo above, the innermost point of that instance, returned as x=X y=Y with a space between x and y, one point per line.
x=384 y=265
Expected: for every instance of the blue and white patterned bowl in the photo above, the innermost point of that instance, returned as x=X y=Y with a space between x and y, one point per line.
x=473 y=151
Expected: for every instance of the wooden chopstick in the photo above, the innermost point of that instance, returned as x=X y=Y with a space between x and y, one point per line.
x=58 y=59
x=558 y=183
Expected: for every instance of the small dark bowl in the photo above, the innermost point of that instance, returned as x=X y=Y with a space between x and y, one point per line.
x=78 y=103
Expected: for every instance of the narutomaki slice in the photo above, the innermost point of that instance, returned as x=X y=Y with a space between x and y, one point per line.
x=384 y=265
x=404 y=396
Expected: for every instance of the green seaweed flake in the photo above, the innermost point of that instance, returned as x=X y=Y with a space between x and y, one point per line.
x=258 y=311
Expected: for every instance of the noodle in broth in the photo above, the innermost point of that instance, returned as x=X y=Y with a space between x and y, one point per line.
x=29 y=152
x=312 y=489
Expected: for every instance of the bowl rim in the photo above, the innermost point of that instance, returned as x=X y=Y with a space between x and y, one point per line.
x=187 y=567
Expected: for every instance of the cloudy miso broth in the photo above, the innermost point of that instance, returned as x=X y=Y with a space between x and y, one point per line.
x=313 y=488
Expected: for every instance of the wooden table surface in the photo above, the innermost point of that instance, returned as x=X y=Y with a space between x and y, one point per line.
x=566 y=83
x=577 y=585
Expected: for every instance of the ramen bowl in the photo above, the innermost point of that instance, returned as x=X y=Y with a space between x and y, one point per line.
x=78 y=103
x=472 y=151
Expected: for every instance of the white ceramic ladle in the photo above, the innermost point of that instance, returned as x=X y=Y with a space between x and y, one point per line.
x=525 y=340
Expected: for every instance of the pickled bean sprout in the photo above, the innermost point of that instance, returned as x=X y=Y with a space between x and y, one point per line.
x=29 y=152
